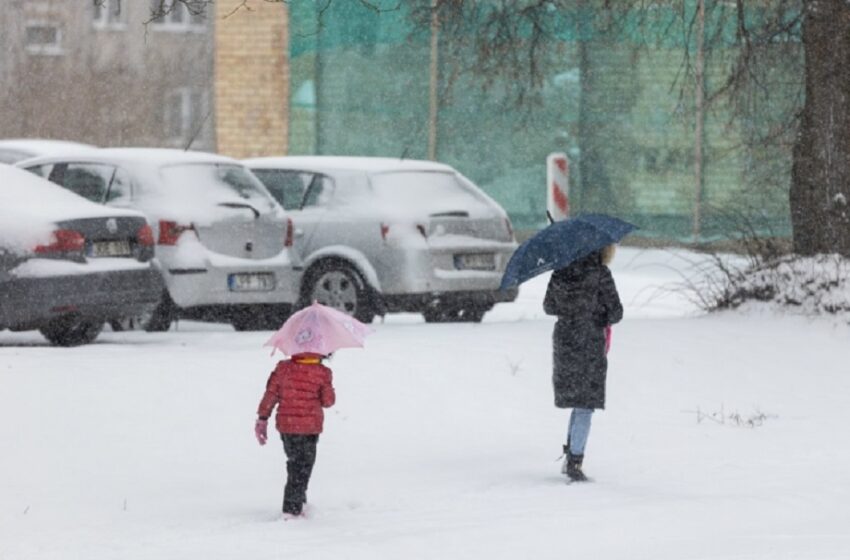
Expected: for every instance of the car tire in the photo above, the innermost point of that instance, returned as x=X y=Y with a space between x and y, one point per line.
x=260 y=318
x=159 y=319
x=338 y=285
x=445 y=314
x=132 y=323
x=72 y=331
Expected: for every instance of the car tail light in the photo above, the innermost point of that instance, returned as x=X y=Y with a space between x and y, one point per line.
x=63 y=241
x=289 y=237
x=170 y=232
x=385 y=231
x=145 y=236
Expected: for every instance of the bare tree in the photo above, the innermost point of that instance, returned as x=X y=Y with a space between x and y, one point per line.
x=515 y=46
x=161 y=8
x=820 y=187
x=510 y=39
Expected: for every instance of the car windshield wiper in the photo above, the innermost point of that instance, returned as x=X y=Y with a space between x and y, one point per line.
x=241 y=205
x=450 y=214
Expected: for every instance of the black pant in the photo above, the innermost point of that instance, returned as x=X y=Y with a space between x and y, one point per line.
x=300 y=452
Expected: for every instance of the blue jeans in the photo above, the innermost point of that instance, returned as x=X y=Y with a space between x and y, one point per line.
x=579 y=430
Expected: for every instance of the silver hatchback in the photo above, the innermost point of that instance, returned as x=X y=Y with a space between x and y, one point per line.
x=221 y=238
x=380 y=235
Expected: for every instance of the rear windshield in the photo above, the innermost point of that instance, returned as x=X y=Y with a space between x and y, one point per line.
x=425 y=190
x=215 y=181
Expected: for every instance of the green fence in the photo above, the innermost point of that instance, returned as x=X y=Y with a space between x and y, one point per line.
x=360 y=86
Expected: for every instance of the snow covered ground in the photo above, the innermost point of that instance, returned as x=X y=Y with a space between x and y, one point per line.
x=443 y=442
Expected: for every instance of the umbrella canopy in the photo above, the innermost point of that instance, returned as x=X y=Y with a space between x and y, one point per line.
x=562 y=243
x=318 y=329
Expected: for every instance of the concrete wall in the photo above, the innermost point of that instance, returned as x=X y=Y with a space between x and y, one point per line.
x=130 y=82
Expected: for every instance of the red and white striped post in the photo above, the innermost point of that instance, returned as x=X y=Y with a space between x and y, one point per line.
x=558 y=186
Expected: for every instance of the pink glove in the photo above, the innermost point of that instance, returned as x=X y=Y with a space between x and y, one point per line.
x=607 y=338
x=261 y=431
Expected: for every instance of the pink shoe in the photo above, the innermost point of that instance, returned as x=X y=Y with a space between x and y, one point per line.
x=305 y=513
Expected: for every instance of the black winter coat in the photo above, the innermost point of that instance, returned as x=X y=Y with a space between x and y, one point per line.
x=584 y=298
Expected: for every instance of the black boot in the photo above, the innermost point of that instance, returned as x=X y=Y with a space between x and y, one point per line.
x=292 y=508
x=573 y=467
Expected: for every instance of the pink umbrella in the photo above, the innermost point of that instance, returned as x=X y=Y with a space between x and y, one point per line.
x=318 y=329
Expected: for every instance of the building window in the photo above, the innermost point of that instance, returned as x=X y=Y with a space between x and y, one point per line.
x=185 y=112
x=43 y=38
x=108 y=13
x=178 y=15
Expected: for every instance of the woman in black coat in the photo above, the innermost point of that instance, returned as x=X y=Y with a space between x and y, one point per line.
x=585 y=299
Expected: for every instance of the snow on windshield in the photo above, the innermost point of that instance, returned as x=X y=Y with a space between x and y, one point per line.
x=205 y=180
x=206 y=192
x=428 y=193
x=29 y=206
x=24 y=192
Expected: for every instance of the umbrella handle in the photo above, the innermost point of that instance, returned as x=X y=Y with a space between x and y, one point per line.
x=549 y=215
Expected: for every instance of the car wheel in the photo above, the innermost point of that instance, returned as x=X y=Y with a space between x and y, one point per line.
x=337 y=285
x=445 y=314
x=134 y=323
x=72 y=331
x=159 y=319
x=260 y=318
x=471 y=314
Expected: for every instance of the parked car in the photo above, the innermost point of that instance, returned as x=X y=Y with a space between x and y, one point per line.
x=223 y=241
x=380 y=235
x=19 y=149
x=67 y=265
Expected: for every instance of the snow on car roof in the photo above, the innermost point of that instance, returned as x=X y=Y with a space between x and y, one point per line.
x=132 y=156
x=23 y=191
x=26 y=148
x=42 y=146
x=346 y=163
x=30 y=205
x=163 y=156
x=148 y=166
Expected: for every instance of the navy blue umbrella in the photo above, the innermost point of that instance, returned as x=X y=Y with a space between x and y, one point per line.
x=562 y=243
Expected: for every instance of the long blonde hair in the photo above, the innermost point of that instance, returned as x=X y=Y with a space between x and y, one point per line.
x=608 y=254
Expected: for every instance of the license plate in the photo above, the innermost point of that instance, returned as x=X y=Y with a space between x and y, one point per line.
x=475 y=261
x=110 y=249
x=251 y=282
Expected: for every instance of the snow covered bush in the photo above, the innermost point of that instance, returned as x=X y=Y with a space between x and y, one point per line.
x=813 y=285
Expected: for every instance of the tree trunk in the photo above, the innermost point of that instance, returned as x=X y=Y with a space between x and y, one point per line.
x=820 y=175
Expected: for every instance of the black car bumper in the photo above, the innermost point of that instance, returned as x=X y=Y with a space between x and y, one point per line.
x=32 y=302
x=416 y=303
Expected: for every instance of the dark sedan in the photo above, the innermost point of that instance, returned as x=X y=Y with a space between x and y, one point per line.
x=67 y=265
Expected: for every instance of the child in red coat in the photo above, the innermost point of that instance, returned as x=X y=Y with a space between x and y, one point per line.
x=300 y=387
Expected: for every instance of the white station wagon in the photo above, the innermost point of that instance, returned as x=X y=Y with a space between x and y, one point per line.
x=380 y=235
x=222 y=240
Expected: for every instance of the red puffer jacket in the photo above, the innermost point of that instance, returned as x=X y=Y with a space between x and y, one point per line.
x=299 y=390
